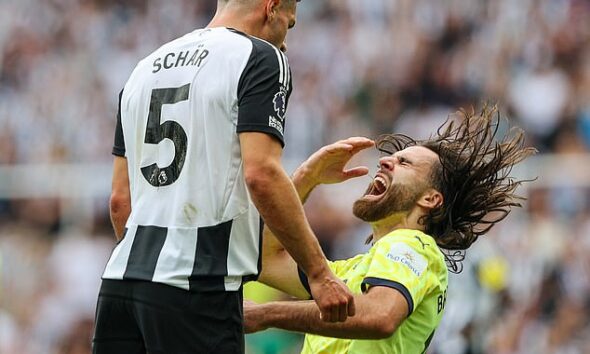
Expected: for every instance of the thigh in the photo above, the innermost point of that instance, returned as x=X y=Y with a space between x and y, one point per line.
x=116 y=330
x=176 y=321
x=224 y=321
x=229 y=331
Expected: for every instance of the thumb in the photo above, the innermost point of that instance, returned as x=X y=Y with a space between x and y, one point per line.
x=356 y=172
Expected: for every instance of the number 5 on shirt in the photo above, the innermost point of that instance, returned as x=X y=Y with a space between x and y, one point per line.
x=155 y=132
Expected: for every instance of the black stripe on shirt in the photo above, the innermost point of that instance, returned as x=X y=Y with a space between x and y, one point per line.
x=263 y=93
x=211 y=258
x=304 y=281
x=390 y=284
x=119 y=144
x=259 y=266
x=145 y=250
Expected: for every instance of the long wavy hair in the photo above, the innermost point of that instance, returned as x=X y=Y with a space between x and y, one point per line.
x=473 y=176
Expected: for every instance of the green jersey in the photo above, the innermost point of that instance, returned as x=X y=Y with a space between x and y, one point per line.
x=410 y=262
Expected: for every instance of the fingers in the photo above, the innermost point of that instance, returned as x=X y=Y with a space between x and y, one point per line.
x=342 y=313
x=326 y=315
x=356 y=172
x=335 y=314
x=338 y=312
x=351 y=307
x=358 y=143
x=357 y=140
x=332 y=296
x=353 y=145
x=348 y=308
x=335 y=306
x=337 y=147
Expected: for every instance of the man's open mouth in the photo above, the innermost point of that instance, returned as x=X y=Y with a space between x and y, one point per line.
x=379 y=186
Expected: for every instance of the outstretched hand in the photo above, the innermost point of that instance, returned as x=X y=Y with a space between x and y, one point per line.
x=327 y=165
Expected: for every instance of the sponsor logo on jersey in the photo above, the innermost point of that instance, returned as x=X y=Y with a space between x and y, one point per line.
x=424 y=244
x=406 y=255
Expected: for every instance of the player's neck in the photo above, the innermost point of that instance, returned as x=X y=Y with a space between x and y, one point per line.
x=231 y=18
x=394 y=222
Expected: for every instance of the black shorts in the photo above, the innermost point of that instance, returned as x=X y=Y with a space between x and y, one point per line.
x=135 y=317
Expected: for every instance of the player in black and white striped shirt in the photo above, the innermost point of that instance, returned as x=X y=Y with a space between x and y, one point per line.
x=197 y=167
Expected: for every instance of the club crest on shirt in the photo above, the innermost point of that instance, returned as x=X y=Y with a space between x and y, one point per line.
x=280 y=103
x=406 y=255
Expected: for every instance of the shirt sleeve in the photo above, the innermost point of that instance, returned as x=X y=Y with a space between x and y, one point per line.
x=264 y=91
x=399 y=265
x=119 y=144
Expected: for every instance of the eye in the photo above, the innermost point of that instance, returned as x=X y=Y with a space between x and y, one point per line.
x=403 y=161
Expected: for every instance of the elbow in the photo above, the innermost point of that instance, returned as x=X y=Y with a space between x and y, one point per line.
x=254 y=182
x=258 y=178
x=119 y=204
x=383 y=329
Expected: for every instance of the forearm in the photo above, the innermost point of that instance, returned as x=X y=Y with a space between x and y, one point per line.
x=120 y=202
x=304 y=186
x=278 y=203
x=119 y=219
x=304 y=317
x=278 y=267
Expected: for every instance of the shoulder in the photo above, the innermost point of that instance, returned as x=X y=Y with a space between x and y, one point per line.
x=266 y=59
x=232 y=44
x=260 y=58
x=414 y=238
x=260 y=47
x=342 y=266
x=266 y=64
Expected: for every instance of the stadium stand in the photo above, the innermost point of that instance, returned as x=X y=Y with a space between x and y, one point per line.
x=360 y=68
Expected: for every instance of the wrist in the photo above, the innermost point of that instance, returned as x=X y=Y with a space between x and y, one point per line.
x=319 y=271
x=267 y=315
x=303 y=178
x=304 y=182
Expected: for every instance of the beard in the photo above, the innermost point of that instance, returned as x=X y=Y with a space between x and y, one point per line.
x=400 y=198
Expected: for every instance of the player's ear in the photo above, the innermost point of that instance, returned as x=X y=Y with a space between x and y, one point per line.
x=431 y=199
x=271 y=7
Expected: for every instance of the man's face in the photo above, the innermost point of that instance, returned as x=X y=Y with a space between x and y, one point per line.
x=401 y=180
x=283 y=19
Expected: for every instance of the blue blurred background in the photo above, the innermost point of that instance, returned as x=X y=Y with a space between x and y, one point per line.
x=360 y=68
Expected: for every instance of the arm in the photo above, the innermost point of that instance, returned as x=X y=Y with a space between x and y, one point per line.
x=120 y=202
x=276 y=199
x=327 y=165
x=263 y=93
x=380 y=311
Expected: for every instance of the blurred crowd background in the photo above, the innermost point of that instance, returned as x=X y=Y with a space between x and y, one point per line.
x=360 y=68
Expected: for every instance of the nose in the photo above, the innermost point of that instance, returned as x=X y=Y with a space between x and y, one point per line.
x=386 y=163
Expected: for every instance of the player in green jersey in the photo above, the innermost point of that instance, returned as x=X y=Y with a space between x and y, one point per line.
x=428 y=196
